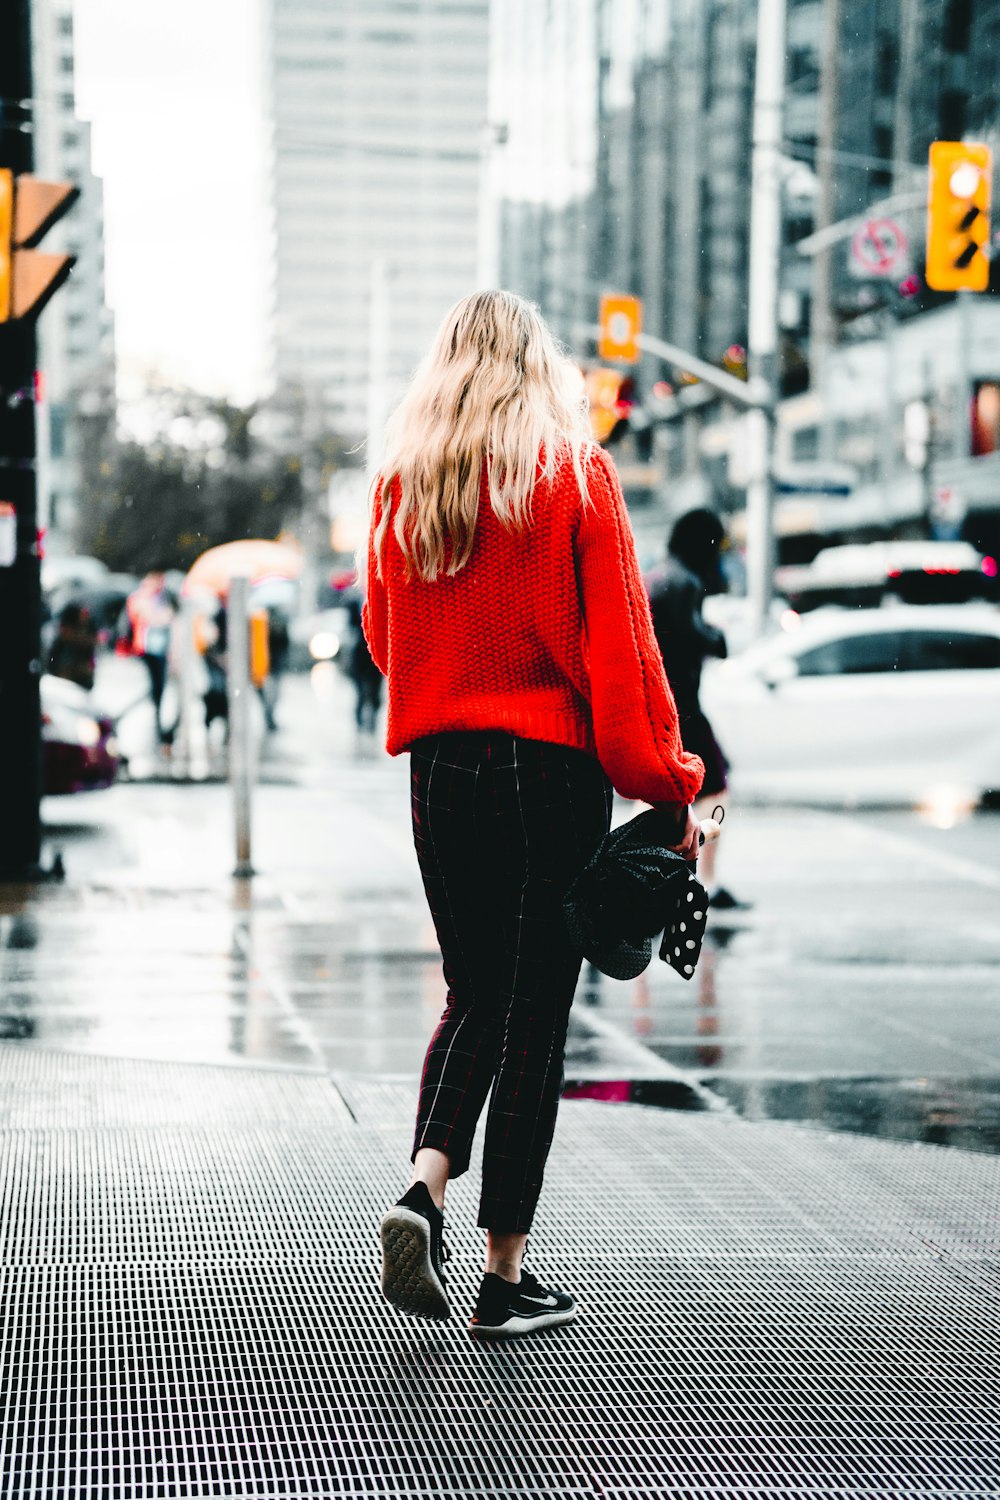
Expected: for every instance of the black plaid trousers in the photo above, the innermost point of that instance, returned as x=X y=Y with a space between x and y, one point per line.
x=502 y=825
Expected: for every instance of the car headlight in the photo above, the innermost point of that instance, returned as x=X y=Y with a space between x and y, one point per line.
x=88 y=732
x=324 y=645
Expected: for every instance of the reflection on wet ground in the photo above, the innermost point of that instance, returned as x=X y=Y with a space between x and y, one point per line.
x=860 y=993
x=779 y=1026
x=937 y=1111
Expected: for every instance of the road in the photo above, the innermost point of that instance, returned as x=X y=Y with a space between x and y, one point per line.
x=860 y=993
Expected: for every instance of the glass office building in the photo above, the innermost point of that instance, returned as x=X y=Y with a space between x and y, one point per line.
x=379 y=120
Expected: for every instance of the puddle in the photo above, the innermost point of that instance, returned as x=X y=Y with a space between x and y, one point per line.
x=663 y=1093
x=934 y=1111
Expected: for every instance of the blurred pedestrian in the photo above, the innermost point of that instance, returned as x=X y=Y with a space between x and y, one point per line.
x=361 y=669
x=506 y=606
x=686 y=641
x=149 y=618
x=73 y=651
x=216 y=658
x=278 y=645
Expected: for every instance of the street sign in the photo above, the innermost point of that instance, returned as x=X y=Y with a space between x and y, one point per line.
x=621 y=325
x=879 y=248
x=947 y=511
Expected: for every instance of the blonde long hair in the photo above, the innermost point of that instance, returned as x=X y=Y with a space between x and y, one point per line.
x=496 y=386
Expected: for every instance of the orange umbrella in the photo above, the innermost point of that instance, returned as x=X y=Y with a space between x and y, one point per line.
x=260 y=561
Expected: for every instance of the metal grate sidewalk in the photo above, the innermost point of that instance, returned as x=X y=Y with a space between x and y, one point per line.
x=190 y=1303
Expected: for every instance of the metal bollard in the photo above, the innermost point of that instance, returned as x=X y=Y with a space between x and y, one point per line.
x=240 y=748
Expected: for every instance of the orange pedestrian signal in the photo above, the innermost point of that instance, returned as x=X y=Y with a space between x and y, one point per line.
x=603 y=394
x=621 y=325
x=260 y=649
x=28 y=208
x=958 y=216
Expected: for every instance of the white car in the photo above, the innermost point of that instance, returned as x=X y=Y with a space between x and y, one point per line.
x=866 y=574
x=318 y=637
x=897 y=705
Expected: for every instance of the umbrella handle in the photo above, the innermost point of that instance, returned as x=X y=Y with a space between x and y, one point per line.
x=710 y=831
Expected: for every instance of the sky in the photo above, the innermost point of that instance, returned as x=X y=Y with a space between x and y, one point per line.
x=175 y=95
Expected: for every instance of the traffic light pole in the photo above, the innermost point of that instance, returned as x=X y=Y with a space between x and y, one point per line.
x=20 y=581
x=762 y=340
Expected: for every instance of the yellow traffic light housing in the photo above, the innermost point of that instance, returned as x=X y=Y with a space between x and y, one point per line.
x=958 y=217
x=6 y=239
x=28 y=208
x=603 y=390
x=621 y=325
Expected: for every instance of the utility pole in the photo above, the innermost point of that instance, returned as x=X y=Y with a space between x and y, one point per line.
x=762 y=342
x=822 y=331
x=20 y=583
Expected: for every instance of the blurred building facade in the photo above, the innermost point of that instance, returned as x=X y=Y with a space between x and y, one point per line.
x=543 y=86
x=661 y=208
x=379 y=117
x=75 y=331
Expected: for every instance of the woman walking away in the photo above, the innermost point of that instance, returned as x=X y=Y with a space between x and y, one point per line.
x=506 y=608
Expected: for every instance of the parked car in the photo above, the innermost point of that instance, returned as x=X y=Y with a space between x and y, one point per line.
x=79 y=750
x=866 y=574
x=864 y=705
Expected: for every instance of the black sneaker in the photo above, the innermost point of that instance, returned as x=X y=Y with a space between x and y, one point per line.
x=413 y=1254
x=723 y=900
x=506 y=1311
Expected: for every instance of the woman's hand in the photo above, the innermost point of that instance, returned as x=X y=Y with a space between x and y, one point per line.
x=687 y=844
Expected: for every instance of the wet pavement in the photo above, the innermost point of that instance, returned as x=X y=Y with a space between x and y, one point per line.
x=206 y=1088
x=860 y=993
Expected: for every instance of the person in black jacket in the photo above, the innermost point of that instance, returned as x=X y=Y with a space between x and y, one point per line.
x=686 y=640
x=368 y=680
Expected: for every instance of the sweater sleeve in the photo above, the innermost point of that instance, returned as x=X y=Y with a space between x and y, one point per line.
x=635 y=719
x=375 y=612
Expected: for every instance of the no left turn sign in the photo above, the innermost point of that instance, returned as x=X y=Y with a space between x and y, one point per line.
x=879 y=248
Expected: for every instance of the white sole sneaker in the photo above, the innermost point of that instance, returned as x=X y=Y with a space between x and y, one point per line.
x=409 y=1280
x=516 y=1327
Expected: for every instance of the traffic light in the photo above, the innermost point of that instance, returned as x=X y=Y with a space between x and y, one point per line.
x=621 y=325
x=28 y=209
x=6 y=237
x=616 y=410
x=610 y=403
x=958 y=216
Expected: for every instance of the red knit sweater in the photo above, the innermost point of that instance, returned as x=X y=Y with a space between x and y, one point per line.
x=545 y=633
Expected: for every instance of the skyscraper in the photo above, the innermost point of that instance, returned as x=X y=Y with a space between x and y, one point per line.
x=544 y=82
x=75 y=331
x=379 y=123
